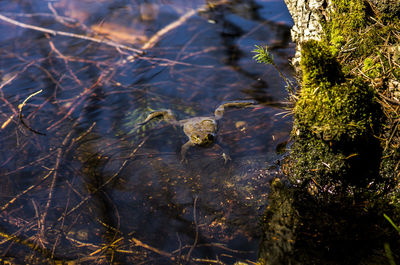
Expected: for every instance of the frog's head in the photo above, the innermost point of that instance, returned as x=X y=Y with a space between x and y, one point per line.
x=202 y=138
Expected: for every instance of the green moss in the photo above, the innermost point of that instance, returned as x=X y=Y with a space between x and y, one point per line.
x=300 y=228
x=316 y=159
x=330 y=107
x=334 y=112
x=333 y=166
x=344 y=158
x=357 y=30
x=354 y=12
x=334 y=123
x=319 y=65
x=348 y=17
x=371 y=68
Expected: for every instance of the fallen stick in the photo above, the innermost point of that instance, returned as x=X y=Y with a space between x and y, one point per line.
x=68 y=34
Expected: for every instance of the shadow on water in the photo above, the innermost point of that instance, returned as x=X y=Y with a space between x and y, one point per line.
x=98 y=189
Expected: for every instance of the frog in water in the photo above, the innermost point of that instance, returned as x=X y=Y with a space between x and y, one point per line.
x=201 y=131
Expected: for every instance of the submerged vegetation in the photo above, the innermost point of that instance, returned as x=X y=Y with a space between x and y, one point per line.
x=344 y=160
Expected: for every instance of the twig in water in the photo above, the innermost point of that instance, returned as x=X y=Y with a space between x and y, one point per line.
x=20 y=106
x=68 y=34
x=78 y=100
x=157 y=36
x=144 y=245
x=84 y=200
x=65 y=59
x=53 y=181
x=4 y=207
x=196 y=237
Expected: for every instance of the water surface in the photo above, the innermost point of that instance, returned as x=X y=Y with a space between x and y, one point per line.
x=84 y=184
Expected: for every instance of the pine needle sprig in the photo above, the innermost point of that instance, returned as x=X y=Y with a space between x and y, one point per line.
x=262 y=55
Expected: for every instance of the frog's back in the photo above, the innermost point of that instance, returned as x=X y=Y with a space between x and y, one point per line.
x=199 y=125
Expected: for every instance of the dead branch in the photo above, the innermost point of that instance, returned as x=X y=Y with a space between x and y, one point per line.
x=4 y=125
x=29 y=164
x=169 y=62
x=57 y=16
x=159 y=34
x=80 y=243
x=25 y=242
x=214 y=245
x=209 y=261
x=8 y=81
x=389 y=99
x=68 y=34
x=72 y=20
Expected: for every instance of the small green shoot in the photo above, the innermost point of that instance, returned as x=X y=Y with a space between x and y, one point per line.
x=389 y=254
x=392 y=223
x=388 y=251
x=262 y=55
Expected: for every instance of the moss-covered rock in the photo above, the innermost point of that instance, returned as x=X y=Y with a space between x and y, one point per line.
x=330 y=106
x=342 y=121
x=343 y=168
x=334 y=121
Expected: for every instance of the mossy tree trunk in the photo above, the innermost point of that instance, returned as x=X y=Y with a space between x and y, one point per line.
x=307 y=22
x=343 y=167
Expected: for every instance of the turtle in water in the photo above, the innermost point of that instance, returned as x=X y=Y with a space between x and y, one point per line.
x=201 y=131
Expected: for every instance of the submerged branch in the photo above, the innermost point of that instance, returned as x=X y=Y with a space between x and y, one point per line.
x=68 y=34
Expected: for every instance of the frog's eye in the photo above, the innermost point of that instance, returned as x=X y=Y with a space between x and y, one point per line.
x=210 y=137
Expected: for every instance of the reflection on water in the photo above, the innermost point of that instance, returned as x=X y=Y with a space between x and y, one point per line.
x=99 y=189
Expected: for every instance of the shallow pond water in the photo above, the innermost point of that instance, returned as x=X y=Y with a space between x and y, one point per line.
x=81 y=182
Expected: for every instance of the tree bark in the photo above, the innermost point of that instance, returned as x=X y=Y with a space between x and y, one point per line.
x=306 y=15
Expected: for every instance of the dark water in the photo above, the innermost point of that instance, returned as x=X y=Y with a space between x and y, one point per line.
x=96 y=189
